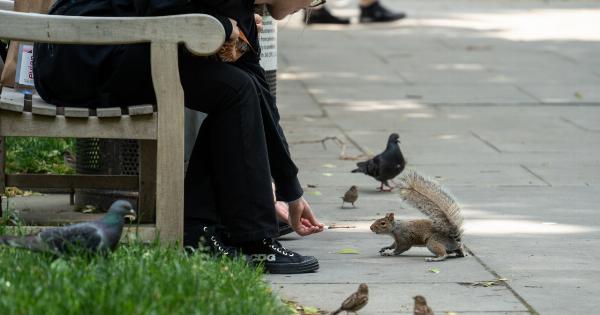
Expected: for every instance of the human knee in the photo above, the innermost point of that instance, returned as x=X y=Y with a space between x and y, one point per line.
x=242 y=93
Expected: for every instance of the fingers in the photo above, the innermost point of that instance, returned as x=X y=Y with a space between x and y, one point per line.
x=281 y=210
x=235 y=32
x=308 y=214
x=306 y=223
x=304 y=231
x=302 y=219
x=315 y=222
x=259 y=22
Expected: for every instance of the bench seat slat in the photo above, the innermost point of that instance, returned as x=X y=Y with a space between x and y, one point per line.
x=140 y=110
x=28 y=125
x=12 y=100
x=77 y=112
x=43 y=109
x=108 y=112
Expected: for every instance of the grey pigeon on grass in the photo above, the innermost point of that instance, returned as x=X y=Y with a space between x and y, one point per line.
x=102 y=235
x=386 y=165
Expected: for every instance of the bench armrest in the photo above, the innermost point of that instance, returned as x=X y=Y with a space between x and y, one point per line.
x=202 y=34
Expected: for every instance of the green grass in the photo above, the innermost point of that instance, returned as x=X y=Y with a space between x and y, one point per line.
x=37 y=155
x=135 y=279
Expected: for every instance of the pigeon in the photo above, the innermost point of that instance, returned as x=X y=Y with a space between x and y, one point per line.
x=355 y=301
x=421 y=307
x=88 y=237
x=386 y=165
x=350 y=196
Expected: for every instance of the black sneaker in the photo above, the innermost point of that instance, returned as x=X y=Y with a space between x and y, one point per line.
x=378 y=13
x=209 y=237
x=278 y=259
x=323 y=16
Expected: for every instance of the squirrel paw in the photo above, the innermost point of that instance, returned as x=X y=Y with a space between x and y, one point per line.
x=383 y=253
x=432 y=259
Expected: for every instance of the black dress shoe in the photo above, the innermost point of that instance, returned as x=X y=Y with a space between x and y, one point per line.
x=277 y=259
x=378 y=13
x=323 y=16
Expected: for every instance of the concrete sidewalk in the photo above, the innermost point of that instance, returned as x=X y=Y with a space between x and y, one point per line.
x=498 y=100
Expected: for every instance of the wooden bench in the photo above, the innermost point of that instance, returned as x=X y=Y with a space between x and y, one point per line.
x=160 y=127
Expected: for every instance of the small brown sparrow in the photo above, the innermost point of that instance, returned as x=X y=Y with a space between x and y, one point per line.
x=350 y=196
x=421 y=307
x=355 y=301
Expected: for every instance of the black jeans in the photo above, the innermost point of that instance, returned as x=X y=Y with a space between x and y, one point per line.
x=239 y=149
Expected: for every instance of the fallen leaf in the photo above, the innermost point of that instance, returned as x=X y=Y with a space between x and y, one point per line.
x=451 y=313
x=578 y=95
x=434 y=270
x=88 y=209
x=348 y=251
x=327 y=174
x=328 y=165
x=486 y=283
x=13 y=191
x=310 y=310
x=315 y=193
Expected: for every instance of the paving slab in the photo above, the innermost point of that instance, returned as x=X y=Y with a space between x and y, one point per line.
x=503 y=113
x=396 y=299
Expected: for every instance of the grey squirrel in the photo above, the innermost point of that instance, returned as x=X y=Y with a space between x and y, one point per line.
x=441 y=233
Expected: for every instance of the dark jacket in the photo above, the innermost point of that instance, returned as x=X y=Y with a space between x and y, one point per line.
x=82 y=75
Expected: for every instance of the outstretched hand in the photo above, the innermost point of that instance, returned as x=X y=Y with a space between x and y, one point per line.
x=302 y=219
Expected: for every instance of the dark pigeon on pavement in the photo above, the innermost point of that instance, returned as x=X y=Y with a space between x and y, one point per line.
x=386 y=165
x=86 y=237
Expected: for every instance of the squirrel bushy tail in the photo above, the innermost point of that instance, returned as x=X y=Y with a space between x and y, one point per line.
x=434 y=201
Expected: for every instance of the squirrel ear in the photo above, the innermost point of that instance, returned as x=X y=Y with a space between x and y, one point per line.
x=390 y=216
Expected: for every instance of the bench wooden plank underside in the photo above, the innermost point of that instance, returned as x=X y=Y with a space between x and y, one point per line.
x=28 y=181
